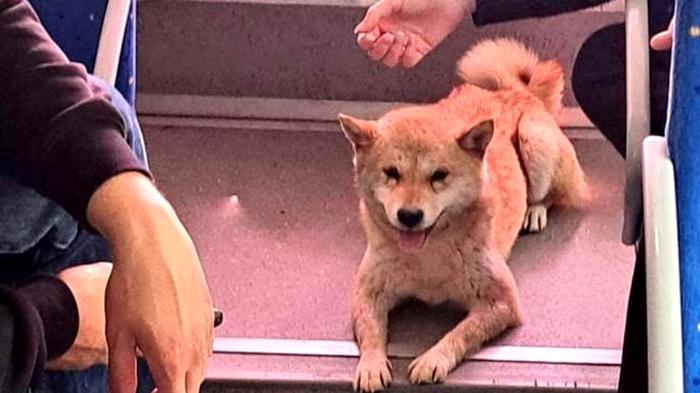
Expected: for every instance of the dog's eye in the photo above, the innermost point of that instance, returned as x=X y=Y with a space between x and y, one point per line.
x=392 y=173
x=438 y=175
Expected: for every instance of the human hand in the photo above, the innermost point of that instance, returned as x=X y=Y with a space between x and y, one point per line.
x=157 y=297
x=87 y=283
x=664 y=40
x=404 y=31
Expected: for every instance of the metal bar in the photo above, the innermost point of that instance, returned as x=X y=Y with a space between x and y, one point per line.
x=638 y=118
x=684 y=146
x=111 y=39
x=234 y=124
x=665 y=345
x=338 y=348
x=224 y=107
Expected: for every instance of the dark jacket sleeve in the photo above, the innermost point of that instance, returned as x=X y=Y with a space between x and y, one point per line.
x=38 y=322
x=67 y=134
x=495 y=11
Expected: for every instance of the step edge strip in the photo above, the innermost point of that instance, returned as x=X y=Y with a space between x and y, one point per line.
x=496 y=353
x=221 y=107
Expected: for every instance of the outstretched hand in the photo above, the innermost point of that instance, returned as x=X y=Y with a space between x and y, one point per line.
x=404 y=31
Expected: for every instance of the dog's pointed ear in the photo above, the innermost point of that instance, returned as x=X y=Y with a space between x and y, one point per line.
x=477 y=138
x=360 y=132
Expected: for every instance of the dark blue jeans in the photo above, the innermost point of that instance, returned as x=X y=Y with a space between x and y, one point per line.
x=36 y=235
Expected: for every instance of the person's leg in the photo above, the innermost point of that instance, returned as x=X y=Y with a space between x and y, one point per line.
x=660 y=67
x=7 y=336
x=598 y=82
x=599 y=86
x=634 y=369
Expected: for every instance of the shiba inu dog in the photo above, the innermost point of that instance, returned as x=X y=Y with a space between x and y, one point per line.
x=444 y=191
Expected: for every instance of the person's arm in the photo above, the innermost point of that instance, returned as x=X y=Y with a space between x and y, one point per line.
x=68 y=144
x=38 y=322
x=495 y=11
x=67 y=134
x=404 y=31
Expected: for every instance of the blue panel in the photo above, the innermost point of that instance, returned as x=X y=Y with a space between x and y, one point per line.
x=76 y=24
x=683 y=132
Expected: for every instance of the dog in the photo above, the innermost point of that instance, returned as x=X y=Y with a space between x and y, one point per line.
x=445 y=189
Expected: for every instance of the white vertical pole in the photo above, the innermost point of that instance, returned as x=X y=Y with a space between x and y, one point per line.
x=111 y=40
x=638 y=118
x=665 y=343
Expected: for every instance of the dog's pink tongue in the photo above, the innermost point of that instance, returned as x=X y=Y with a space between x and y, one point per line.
x=411 y=241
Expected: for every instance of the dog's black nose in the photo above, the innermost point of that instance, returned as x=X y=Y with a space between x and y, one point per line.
x=410 y=217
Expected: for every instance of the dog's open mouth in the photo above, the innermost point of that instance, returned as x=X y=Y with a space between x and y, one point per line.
x=412 y=240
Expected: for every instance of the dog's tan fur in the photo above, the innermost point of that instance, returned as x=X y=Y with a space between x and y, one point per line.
x=497 y=140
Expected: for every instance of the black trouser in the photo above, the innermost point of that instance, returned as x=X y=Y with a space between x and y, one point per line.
x=7 y=336
x=599 y=85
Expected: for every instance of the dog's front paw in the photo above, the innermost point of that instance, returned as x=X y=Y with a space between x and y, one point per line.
x=373 y=373
x=430 y=367
x=535 y=218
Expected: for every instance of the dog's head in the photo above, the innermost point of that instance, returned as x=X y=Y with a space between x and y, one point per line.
x=417 y=168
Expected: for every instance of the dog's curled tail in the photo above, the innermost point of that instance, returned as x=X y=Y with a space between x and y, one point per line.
x=507 y=64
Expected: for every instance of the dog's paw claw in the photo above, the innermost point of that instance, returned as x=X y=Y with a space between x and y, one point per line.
x=431 y=367
x=535 y=218
x=373 y=374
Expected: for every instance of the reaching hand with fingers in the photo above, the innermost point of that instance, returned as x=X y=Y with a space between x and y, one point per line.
x=157 y=299
x=404 y=31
